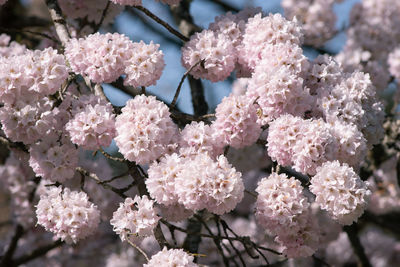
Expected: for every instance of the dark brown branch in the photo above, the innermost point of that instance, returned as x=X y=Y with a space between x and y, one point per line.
x=37 y=253
x=103 y=15
x=144 y=19
x=352 y=233
x=161 y=22
x=225 y=6
x=178 y=90
x=6 y=259
x=24 y=32
x=118 y=191
x=200 y=105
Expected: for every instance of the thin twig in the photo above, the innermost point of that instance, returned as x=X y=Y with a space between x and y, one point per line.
x=111 y=157
x=98 y=181
x=225 y=6
x=163 y=23
x=178 y=90
x=36 y=253
x=103 y=15
x=6 y=260
x=30 y=32
x=139 y=249
x=352 y=233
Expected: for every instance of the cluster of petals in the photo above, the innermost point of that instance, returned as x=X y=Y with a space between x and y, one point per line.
x=171 y=257
x=8 y=48
x=201 y=137
x=162 y=177
x=353 y=100
x=280 y=200
x=236 y=121
x=283 y=211
x=28 y=121
x=101 y=57
x=68 y=214
x=262 y=32
x=205 y=183
x=353 y=58
x=302 y=240
x=340 y=191
x=317 y=19
x=93 y=127
x=196 y=181
x=2 y=2
x=278 y=92
x=144 y=65
x=54 y=160
x=91 y=10
x=105 y=57
x=145 y=130
x=233 y=26
x=303 y=144
x=135 y=218
x=277 y=82
x=351 y=146
x=161 y=186
x=209 y=55
x=32 y=73
x=322 y=73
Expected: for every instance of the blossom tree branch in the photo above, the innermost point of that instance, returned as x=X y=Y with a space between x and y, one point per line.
x=162 y=22
x=352 y=233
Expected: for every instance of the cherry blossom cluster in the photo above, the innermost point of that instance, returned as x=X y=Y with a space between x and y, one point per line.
x=316 y=17
x=105 y=57
x=171 y=257
x=93 y=127
x=213 y=53
x=283 y=211
x=42 y=73
x=28 y=121
x=68 y=214
x=135 y=218
x=340 y=191
x=236 y=122
x=145 y=130
x=53 y=159
x=196 y=181
x=201 y=137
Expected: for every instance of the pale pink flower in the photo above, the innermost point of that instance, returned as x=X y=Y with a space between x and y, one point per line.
x=68 y=214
